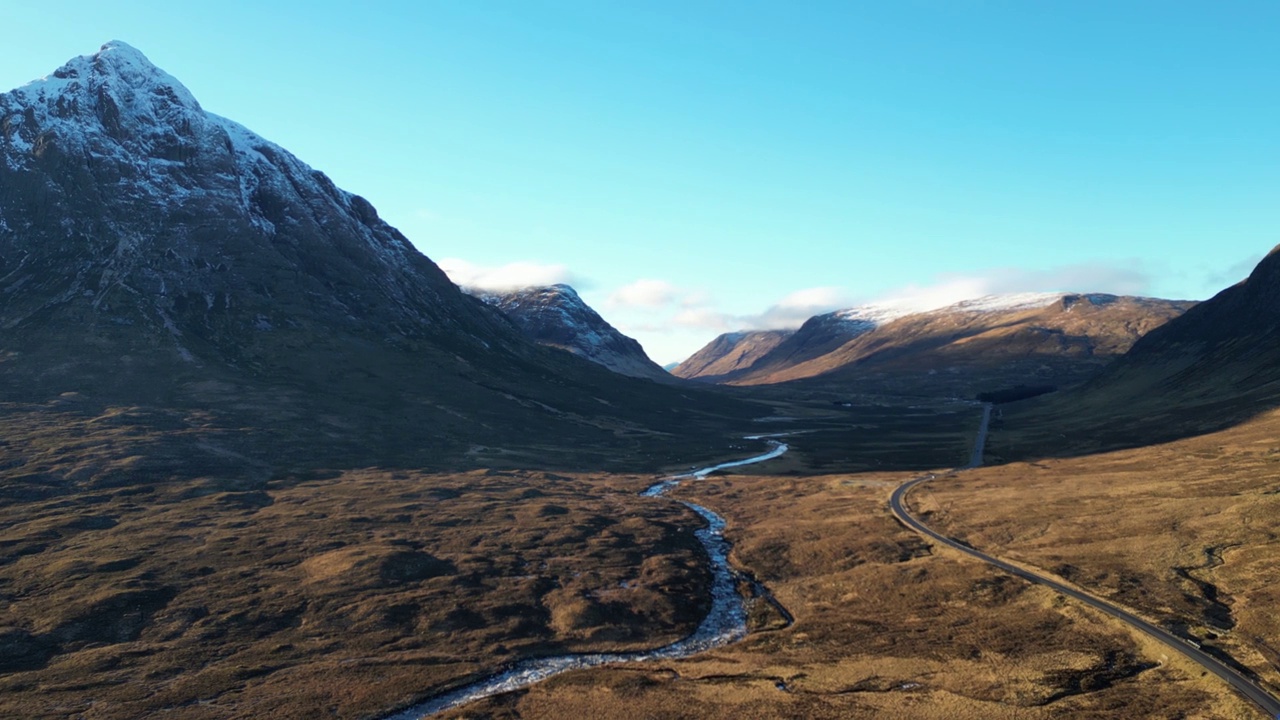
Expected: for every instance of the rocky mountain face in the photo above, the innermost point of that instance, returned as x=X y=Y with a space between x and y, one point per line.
x=125 y=205
x=157 y=256
x=728 y=353
x=1215 y=365
x=557 y=317
x=1049 y=338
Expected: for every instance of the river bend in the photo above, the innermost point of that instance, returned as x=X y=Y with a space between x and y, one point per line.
x=725 y=623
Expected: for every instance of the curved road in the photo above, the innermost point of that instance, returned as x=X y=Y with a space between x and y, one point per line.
x=1246 y=687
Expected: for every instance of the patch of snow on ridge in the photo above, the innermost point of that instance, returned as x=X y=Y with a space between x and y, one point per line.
x=1005 y=303
x=864 y=318
x=875 y=314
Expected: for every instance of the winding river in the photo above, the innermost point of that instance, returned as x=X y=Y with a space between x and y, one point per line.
x=725 y=623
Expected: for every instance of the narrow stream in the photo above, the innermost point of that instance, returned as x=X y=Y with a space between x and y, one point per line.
x=725 y=623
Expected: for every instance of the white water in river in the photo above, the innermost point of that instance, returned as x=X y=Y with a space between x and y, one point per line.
x=725 y=623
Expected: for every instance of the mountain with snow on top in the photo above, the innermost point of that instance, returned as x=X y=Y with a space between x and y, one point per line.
x=157 y=256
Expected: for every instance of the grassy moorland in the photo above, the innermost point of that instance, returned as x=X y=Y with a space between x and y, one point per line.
x=150 y=562
x=885 y=626
x=341 y=596
x=1182 y=532
x=148 y=566
x=153 y=560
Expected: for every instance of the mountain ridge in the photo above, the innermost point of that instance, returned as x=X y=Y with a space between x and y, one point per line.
x=556 y=316
x=1025 y=329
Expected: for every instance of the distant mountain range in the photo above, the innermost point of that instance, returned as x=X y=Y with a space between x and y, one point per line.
x=981 y=345
x=557 y=317
x=1052 y=338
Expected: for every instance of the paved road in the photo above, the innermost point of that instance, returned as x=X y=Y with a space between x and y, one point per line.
x=1246 y=687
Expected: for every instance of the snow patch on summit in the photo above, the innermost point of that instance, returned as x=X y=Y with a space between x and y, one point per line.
x=116 y=135
x=874 y=314
x=1005 y=303
x=121 y=111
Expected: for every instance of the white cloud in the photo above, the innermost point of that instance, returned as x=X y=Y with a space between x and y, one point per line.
x=1226 y=277
x=672 y=321
x=950 y=288
x=793 y=309
x=511 y=276
x=943 y=292
x=789 y=312
x=697 y=311
x=814 y=297
x=644 y=293
x=703 y=319
x=1126 y=279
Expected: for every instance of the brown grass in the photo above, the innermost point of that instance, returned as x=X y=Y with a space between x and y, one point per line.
x=884 y=628
x=1182 y=532
x=347 y=594
x=342 y=597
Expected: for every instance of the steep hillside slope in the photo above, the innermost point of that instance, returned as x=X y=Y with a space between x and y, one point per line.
x=557 y=317
x=729 y=353
x=1216 y=365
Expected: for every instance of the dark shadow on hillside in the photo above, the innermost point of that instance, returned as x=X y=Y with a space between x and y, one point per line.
x=1070 y=426
x=242 y=442
x=1216 y=366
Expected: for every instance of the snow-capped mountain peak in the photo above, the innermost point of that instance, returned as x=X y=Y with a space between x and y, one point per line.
x=116 y=64
x=872 y=315
x=118 y=85
x=159 y=198
x=150 y=142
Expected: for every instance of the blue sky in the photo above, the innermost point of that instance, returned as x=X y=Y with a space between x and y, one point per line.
x=695 y=167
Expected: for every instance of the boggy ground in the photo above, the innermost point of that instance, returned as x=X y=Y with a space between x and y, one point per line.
x=1185 y=533
x=885 y=627
x=341 y=596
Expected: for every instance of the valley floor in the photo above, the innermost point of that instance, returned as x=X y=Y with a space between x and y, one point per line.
x=885 y=628
x=351 y=594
